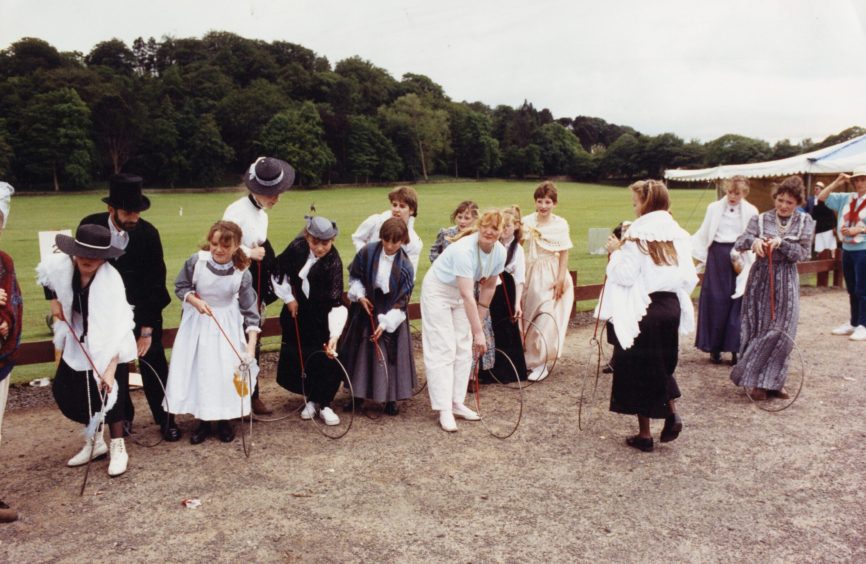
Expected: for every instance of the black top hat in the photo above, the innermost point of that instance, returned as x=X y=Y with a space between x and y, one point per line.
x=91 y=241
x=124 y=192
x=269 y=176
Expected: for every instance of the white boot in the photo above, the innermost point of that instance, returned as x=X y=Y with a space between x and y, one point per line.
x=119 y=458
x=447 y=422
x=89 y=451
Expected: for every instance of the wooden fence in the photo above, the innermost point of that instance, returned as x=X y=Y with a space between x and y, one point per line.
x=43 y=351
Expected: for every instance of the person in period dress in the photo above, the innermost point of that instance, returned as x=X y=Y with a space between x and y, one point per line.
x=769 y=323
x=462 y=217
x=506 y=307
x=142 y=268
x=647 y=300
x=217 y=336
x=92 y=378
x=404 y=205
x=380 y=286
x=451 y=317
x=825 y=225
x=311 y=285
x=11 y=317
x=266 y=179
x=722 y=287
x=850 y=208
x=548 y=284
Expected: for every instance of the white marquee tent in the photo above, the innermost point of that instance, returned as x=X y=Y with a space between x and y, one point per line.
x=843 y=157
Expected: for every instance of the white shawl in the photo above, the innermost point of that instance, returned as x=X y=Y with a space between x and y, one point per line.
x=625 y=304
x=703 y=238
x=109 y=318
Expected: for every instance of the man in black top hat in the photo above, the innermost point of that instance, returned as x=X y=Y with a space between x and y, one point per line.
x=142 y=268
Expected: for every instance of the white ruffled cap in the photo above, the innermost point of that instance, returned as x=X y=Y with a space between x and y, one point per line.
x=6 y=191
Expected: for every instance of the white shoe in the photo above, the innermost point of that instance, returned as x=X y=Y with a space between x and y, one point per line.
x=328 y=416
x=844 y=329
x=447 y=422
x=89 y=452
x=538 y=373
x=309 y=411
x=859 y=334
x=119 y=458
x=460 y=410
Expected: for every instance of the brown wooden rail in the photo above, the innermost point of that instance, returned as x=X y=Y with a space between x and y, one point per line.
x=43 y=351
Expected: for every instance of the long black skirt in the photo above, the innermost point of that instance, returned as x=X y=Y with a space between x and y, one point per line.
x=70 y=393
x=370 y=379
x=643 y=375
x=506 y=333
x=718 y=313
x=318 y=377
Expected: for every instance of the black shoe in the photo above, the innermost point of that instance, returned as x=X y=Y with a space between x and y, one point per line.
x=201 y=432
x=716 y=357
x=733 y=359
x=226 y=431
x=640 y=443
x=671 y=430
x=170 y=432
x=608 y=369
x=391 y=408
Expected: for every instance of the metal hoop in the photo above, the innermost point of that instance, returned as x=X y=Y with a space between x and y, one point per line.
x=248 y=380
x=762 y=405
x=382 y=361
x=591 y=371
x=164 y=425
x=346 y=381
x=509 y=430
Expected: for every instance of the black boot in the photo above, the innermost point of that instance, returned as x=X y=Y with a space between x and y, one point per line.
x=226 y=431
x=733 y=359
x=170 y=432
x=202 y=431
x=716 y=357
x=391 y=408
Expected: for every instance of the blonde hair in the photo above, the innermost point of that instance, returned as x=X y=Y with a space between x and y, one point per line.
x=490 y=218
x=511 y=216
x=230 y=234
x=732 y=182
x=653 y=196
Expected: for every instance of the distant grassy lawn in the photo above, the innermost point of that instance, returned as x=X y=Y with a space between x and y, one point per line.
x=584 y=206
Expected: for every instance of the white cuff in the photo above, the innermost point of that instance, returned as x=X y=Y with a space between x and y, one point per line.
x=246 y=250
x=356 y=290
x=253 y=329
x=392 y=320
x=337 y=320
x=283 y=290
x=185 y=296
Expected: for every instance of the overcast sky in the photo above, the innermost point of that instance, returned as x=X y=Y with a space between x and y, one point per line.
x=765 y=68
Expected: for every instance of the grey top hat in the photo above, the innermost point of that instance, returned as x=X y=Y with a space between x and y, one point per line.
x=91 y=241
x=321 y=228
x=268 y=176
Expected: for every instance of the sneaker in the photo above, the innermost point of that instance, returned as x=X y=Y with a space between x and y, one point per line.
x=119 y=458
x=460 y=410
x=328 y=416
x=447 y=422
x=538 y=373
x=844 y=329
x=309 y=411
x=859 y=334
x=89 y=452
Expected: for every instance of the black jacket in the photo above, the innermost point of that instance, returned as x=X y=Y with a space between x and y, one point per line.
x=142 y=268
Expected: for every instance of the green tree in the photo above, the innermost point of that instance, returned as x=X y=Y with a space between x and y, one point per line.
x=622 y=159
x=6 y=153
x=560 y=149
x=370 y=85
x=113 y=54
x=736 y=149
x=371 y=155
x=844 y=135
x=205 y=154
x=476 y=151
x=522 y=162
x=26 y=56
x=55 y=139
x=784 y=149
x=426 y=128
x=243 y=113
x=296 y=136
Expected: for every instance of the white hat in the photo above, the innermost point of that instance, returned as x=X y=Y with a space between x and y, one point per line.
x=6 y=191
x=859 y=171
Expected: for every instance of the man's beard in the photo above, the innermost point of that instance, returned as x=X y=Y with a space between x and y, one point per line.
x=125 y=225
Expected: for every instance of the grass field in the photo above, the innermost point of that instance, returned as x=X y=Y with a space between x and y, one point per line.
x=584 y=206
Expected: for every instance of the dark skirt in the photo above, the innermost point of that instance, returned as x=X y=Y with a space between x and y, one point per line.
x=70 y=393
x=718 y=313
x=643 y=375
x=370 y=380
x=323 y=376
x=506 y=332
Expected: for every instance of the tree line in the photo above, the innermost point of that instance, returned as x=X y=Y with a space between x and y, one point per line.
x=196 y=112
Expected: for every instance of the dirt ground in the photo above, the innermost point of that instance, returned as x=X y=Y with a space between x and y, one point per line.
x=739 y=484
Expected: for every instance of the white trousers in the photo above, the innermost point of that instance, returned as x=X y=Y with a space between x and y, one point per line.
x=447 y=339
x=4 y=395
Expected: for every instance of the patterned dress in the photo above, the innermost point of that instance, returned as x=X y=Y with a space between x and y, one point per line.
x=766 y=342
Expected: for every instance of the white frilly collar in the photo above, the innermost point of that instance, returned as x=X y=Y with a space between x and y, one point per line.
x=656 y=226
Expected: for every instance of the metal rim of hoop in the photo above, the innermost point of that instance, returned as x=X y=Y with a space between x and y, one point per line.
x=524 y=382
x=586 y=404
x=477 y=393
x=762 y=404
x=382 y=361
x=549 y=364
x=346 y=381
